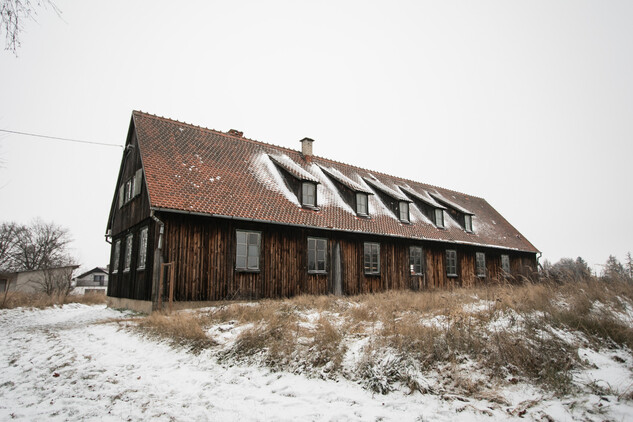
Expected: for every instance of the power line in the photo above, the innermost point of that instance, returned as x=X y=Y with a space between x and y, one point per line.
x=60 y=139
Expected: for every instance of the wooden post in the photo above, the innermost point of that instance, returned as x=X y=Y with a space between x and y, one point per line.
x=160 y=286
x=171 y=285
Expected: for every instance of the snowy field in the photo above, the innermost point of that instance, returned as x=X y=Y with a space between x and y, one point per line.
x=77 y=363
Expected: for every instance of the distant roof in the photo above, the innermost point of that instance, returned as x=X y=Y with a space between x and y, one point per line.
x=203 y=171
x=94 y=270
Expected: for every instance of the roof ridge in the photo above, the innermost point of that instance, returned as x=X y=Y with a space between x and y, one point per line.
x=243 y=138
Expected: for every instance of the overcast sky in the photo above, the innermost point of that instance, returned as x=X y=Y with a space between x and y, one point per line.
x=526 y=104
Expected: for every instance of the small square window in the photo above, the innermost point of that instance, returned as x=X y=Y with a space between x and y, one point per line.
x=403 y=208
x=317 y=255
x=451 y=263
x=416 y=260
x=361 y=204
x=505 y=263
x=468 y=223
x=480 y=263
x=247 y=250
x=308 y=194
x=372 y=258
x=439 y=217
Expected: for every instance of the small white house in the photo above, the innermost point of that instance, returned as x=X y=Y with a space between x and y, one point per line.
x=36 y=280
x=93 y=281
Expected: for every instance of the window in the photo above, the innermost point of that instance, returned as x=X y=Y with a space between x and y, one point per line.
x=142 y=248
x=468 y=222
x=480 y=264
x=439 y=217
x=3 y=285
x=416 y=260
x=128 y=252
x=130 y=188
x=403 y=208
x=247 y=253
x=451 y=263
x=317 y=249
x=361 y=203
x=372 y=258
x=308 y=194
x=99 y=279
x=505 y=263
x=117 y=253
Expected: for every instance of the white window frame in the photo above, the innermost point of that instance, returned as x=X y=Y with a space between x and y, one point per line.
x=308 y=194
x=317 y=255
x=117 y=255
x=439 y=217
x=451 y=263
x=142 y=248
x=416 y=252
x=362 y=201
x=248 y=249
x=480 y=264
x=403 y=210
x=371 y=250
x=468 y=223
x=129 y=241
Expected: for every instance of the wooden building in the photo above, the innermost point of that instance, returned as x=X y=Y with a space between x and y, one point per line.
x=237 y=218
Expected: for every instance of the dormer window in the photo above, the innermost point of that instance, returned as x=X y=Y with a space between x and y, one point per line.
x=439 y=218
x=403 y=209
x=468 y=223
x=308 y=194
x=361 y=204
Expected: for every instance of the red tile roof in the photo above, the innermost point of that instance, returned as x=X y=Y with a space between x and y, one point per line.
x=192 y=169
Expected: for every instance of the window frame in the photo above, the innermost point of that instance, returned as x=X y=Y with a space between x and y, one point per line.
x=371 y=267
x=419 y=253
x=505 y=263
x=480 y=264
x=313 y=254
x=312 y=186
x=127 y=261
x=142 y=248
x=247 y=267
x=364 y=202
x=403 y=205
x=468 y=223
x=117 y=256
x=439 y=213
x=451 y=262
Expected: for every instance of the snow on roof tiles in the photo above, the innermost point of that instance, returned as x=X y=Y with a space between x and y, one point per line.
x=193 y=169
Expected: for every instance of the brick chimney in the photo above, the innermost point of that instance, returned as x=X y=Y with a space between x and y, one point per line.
x=306 y=148
x=235 y=132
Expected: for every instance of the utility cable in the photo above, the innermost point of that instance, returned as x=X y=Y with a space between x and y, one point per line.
x=61 y=139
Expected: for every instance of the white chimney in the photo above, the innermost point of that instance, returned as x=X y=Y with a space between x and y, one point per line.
x=306 y=147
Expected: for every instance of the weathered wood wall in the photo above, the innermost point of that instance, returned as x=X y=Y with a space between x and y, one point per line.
x=203 y=252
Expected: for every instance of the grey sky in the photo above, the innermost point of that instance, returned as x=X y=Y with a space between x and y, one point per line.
x=527 y=104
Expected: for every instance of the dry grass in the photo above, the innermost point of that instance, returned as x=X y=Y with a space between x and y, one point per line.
x=474 y=338
x=41 y=300
x=182 y=329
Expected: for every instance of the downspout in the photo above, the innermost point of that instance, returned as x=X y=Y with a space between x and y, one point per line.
x=158 y=257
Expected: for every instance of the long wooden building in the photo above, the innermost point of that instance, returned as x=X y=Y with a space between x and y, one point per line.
x=217 y=216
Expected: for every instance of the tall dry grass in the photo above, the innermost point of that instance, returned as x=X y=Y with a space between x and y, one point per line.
x=40 y=300
x=474 y=338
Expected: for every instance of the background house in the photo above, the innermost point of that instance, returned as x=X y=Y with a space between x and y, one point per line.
x=37 y=280
x=93 y=281
x=238 y=218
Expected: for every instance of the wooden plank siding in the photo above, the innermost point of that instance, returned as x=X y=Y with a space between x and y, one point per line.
x=203 y=251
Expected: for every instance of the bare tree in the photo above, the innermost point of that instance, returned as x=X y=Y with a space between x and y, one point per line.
x=9 y=235
x=55 y=280
x=13 y=13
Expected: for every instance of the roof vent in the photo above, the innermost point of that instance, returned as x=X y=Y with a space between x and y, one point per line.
x=235 y=132
x=306 y=147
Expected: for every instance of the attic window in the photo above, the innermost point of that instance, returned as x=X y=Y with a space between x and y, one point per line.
x=403 y=209
x=439 y=218
x=308 y=194
x=131 y=188
x=468 y=223
x=361 y=204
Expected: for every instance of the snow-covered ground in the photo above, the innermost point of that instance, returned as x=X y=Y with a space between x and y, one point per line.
x=77 y=363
